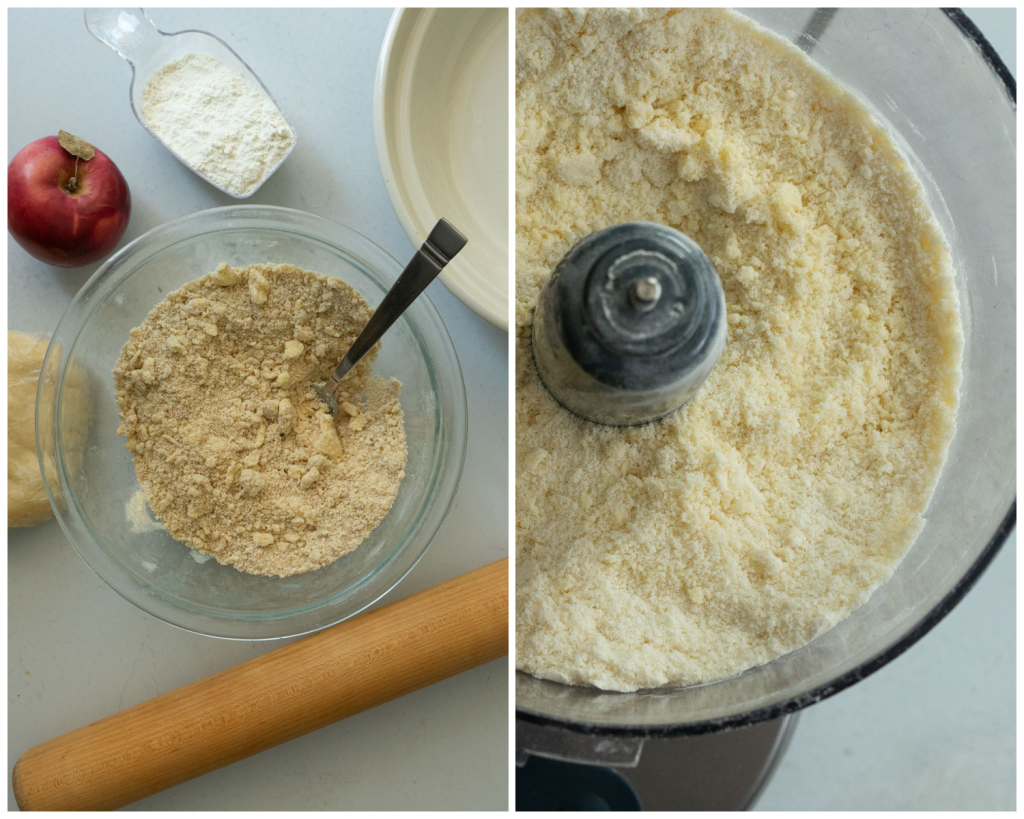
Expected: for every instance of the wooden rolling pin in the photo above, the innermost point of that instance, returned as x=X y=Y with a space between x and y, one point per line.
x=271 y=699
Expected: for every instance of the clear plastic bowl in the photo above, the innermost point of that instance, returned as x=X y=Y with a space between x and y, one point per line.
x=90 y=476
x=935 y=82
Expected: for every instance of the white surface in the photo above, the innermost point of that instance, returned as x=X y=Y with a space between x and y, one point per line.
x=936 y=728
x=77 y=652
x=440 y=116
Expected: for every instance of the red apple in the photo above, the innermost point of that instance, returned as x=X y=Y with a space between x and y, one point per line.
x=65 y=216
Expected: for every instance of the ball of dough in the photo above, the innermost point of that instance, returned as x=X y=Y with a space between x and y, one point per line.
x=27 y=503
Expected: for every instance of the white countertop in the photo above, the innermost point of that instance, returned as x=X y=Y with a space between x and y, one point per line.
x=77 y=651
x=935 y=729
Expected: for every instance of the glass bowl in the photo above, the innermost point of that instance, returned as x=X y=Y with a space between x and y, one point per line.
x=90 y=476
x=938 y=86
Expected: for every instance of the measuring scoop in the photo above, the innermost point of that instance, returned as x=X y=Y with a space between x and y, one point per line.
x=134 y=37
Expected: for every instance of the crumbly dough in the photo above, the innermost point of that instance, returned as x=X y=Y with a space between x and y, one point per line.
x=762 y=513
x=236 y=454
x=27 y=503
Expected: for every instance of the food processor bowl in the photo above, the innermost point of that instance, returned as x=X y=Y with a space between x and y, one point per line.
x=90 y=476
x=937 y=85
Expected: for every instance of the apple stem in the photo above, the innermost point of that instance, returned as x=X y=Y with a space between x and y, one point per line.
x=73 y=182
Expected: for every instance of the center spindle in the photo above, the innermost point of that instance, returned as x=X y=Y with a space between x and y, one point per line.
x=630 y=324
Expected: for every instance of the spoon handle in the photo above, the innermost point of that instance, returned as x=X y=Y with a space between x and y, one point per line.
x=440 y=248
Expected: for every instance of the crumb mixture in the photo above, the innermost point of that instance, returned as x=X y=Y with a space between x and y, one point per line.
x=762 y=513
x=236 y=454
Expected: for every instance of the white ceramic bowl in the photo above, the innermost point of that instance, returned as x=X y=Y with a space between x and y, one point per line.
x=440 y=119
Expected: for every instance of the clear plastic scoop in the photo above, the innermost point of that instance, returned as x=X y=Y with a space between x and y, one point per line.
x=147 y=49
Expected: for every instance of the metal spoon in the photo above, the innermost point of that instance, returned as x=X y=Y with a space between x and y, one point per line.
x=443 y=243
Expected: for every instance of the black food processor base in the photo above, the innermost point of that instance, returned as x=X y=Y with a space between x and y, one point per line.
x=723 y=771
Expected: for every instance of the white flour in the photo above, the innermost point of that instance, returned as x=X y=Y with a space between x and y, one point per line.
x=139 y=516
x=216 y=120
